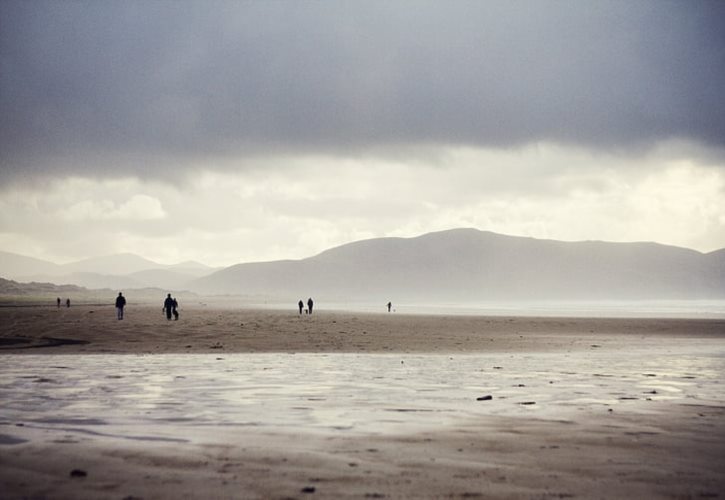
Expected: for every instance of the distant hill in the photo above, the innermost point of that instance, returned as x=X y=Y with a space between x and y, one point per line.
x=119 y=272
x=13 y=288
x=34 y=293
x=92 y=280
x=467 y=265
x=13 y=265
x=455 y=266
x=165 y=278
x=191 y=267
x=118 y=264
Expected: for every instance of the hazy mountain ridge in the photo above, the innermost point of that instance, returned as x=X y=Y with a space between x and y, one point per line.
x=10 y=287
x=467 y=264
x=14 y=265
x=459 y=265
x=120 y=271
x=13 y=293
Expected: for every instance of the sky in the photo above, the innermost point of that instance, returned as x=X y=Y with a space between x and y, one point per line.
x=227 y=132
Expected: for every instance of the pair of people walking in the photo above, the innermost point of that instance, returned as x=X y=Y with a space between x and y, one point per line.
x=170 y=306
x=310 y=303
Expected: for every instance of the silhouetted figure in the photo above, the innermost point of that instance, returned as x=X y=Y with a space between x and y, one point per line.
x=57 y=301
x=390 y=304
x=310 y=304
x=168 y=306
x=174 y=305
x=301 y=305
x=120 y=304
x=67 y=302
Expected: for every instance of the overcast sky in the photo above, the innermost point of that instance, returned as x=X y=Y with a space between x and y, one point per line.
x=234 y=131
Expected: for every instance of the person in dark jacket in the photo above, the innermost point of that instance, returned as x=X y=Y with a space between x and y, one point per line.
x=120 y=304
x=301 y=305
x=168 y=306
x=174 y=305
x=309 y=305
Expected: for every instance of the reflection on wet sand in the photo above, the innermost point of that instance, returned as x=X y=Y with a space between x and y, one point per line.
x=320 y=392
x=544 y=415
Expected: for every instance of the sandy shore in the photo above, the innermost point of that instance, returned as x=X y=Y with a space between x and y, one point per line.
x=87 y=329
x=268 y=404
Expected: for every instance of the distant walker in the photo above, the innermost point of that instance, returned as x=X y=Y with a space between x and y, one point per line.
x=120 y=304
x=168 y=306
x=310 y=304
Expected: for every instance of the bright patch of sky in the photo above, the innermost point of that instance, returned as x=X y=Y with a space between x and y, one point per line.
x=296 y=207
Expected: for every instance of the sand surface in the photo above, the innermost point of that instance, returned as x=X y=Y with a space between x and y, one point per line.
x=268 y=404
x=206 y=330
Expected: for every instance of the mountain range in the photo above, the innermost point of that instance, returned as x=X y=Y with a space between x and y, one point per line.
x=458 y=265
x=465 y=265
x=118 y=272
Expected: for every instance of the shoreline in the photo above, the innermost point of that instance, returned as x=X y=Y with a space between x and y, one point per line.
x=90 y=329
x=634 y=309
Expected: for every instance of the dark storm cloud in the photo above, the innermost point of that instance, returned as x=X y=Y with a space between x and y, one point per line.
x=90 y=87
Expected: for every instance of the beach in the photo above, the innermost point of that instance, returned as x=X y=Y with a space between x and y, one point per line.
x=243 y=403
x=95 y=329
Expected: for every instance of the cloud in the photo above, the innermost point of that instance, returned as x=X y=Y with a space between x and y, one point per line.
x=244 y=131
x=223 y=218
x=137 y=208
x=153 y=90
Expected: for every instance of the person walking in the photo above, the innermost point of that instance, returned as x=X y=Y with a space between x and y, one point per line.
x=301 y=305
x=174 y=305
x=309 y=305
x=120 y=304
x=57 y=301
x=67 y=302
x=168 y=306
x=390 y=304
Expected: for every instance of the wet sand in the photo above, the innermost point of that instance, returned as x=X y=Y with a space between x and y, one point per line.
x=268 y=404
